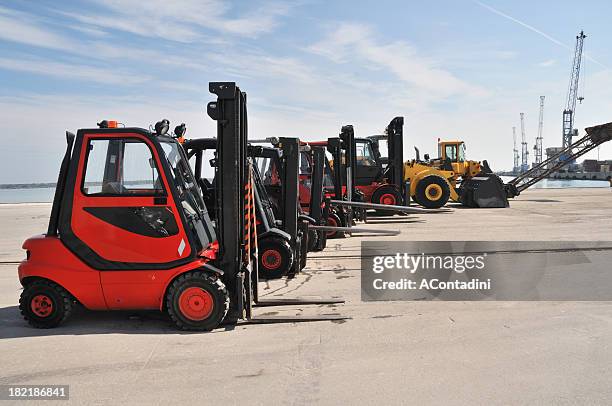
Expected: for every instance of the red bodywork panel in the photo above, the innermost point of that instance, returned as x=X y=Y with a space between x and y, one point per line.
x=145 y=289
x=368 y=190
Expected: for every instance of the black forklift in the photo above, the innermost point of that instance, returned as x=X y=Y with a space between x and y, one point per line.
x=280 y=239
x=279 y=169
x=235 y=169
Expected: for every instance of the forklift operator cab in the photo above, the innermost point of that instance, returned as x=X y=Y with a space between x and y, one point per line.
x=157 y=217
x=128 y=223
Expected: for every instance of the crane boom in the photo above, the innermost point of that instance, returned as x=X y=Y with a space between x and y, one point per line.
x=572 y=92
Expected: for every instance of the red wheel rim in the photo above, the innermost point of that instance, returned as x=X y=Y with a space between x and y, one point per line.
x=388 y=198
x=271 y=259
x=41 y=305
x=332 y=223
x=196 y=303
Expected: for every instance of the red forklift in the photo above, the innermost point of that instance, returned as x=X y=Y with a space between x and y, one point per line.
x=129 y=228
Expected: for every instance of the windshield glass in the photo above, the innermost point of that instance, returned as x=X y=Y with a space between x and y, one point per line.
x=365 y=156
x=190 y=197
x=328 y=176
x=451 y=152
x=461 y=152
x=268 y=171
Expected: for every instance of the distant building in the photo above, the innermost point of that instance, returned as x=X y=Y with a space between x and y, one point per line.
x=551 y=151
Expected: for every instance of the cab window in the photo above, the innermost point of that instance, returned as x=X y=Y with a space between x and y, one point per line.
x=451 y=152
x=461 y=152
x=304 y=164
x=365 y=156
x=120 y=167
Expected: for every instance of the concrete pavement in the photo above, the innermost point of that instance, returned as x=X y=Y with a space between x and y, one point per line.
x=388 y=353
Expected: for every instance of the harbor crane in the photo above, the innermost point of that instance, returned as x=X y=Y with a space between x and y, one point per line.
x=538 y=145
x=572 y=93
x=515 y=168
x=524 y=150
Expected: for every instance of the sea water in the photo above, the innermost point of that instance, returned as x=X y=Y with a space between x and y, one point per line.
x=45 y=195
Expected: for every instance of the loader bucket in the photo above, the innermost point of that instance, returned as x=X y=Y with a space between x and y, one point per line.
x=483 y=191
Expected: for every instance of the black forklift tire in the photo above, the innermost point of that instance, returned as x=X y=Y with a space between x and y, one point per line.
x=197 y=301
x=45 y=304
x=275 y=258
x=334 y=221
x=432 y=192
x=387 y=194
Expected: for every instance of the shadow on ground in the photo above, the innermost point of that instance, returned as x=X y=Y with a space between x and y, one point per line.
x=541 y=200
x=397 y=220
x=84 y=322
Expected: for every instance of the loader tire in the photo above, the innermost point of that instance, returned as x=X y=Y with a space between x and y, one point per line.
x=432 y=192
x=197 y=301
x=275 y=258
x=45 y=304
x=387 y=194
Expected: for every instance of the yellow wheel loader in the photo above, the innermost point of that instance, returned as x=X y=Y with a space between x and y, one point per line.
x=433 y=182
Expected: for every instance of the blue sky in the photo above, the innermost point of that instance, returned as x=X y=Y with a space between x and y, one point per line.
x=455 y=69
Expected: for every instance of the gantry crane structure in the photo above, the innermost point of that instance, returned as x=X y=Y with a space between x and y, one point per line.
x=572 y=93
x=524 y=150
x=516 y=168
x=538 y=145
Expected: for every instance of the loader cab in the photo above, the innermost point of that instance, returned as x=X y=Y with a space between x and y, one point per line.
x=452 y=150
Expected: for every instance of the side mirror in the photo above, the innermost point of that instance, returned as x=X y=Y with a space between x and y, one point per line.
x=426 y=156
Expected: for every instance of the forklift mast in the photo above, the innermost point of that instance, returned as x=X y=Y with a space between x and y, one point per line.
x=395 y=144
x=316 y=183
x=319 y=206
x=347 y=136
x=232 y=175
x=290 y=183
x=333 y=146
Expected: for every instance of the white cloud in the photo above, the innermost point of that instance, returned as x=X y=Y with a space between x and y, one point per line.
x=72 y=71
x=356 y=44
x=25 y=29
x=182 y=20
x=547 y=63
